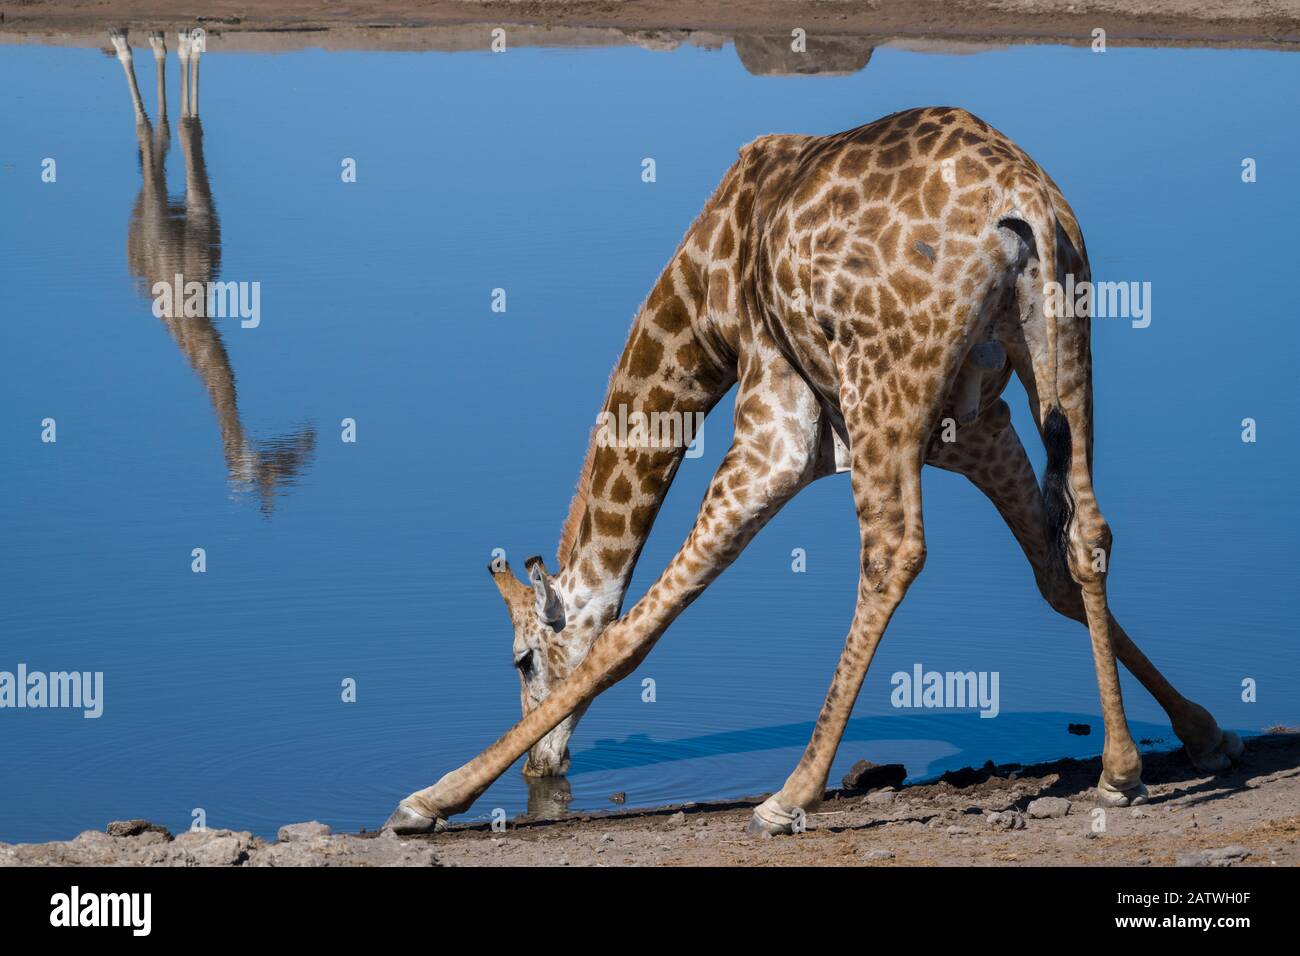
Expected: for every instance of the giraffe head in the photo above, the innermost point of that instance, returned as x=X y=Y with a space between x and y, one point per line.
x=543 y=655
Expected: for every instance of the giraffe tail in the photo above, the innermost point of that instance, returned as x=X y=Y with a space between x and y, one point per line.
x=1058 y=503
x=1041 y=323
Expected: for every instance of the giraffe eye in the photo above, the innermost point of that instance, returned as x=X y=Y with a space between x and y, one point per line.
x=524 y=663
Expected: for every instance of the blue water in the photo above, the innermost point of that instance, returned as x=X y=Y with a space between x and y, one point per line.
x=522 y=171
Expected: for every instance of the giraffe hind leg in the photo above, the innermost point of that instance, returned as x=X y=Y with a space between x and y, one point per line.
x=887 y=494
x=990 y=454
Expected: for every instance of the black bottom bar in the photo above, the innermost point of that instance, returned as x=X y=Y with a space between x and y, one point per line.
x=333 y=905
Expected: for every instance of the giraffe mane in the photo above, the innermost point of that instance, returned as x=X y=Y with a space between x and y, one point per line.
x=578 y=506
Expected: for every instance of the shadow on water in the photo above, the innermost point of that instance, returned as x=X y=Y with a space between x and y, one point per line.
x=178 y=242
x=974 y=740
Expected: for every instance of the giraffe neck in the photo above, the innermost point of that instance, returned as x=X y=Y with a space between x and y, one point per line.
x=668 y=378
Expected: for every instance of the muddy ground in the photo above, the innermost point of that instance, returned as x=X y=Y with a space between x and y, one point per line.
x=276 y=25
x=1249 y=816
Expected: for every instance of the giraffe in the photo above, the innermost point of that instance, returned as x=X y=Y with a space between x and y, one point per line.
x=167 y=238
x=858 y=290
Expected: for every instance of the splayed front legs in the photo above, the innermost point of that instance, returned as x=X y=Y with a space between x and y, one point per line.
x=780 y=445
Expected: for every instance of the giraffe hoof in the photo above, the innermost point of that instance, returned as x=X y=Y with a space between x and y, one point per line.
x=772 y=819
x=759 y=827
x=406 y=820
x=1115 y=797
x=1219 y=757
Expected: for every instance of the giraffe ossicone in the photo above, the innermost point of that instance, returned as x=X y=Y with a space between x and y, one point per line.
x=856 y=290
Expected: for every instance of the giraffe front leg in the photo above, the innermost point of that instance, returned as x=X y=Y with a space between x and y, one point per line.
x=893 y=553
x=771 y=458
x=616 y=653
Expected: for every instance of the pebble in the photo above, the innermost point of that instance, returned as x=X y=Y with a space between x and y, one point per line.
x=303 y=831
x=1007 y=820
x=1220 y=856
x=130 y=828
x=1048 y=807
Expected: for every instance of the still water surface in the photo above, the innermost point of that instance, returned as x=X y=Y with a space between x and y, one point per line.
x=328 y=560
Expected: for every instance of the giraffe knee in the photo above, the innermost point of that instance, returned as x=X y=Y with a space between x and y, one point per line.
x=785 y=481
x=896 y=569
x=1090 y=546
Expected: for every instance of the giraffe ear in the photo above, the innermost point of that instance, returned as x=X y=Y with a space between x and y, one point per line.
x=549 y=606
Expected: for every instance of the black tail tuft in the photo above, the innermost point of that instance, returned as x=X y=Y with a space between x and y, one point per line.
x=1058 y=506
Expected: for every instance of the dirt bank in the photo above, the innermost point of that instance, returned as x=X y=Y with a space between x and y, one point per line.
x=1247 y=817
x=458 y=24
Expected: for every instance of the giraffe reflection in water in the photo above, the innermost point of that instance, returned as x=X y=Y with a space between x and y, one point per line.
x=169 y=238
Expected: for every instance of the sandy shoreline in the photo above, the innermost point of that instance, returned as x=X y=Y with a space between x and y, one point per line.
x=955 y=25
x=993 y=816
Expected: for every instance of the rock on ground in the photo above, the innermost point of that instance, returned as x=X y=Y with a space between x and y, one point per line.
x=865 y=775
x=1006 y=820
x=1221 y=856
x=303 y=831
x=1048 y=808
x=129 y=828
x=152 y=846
